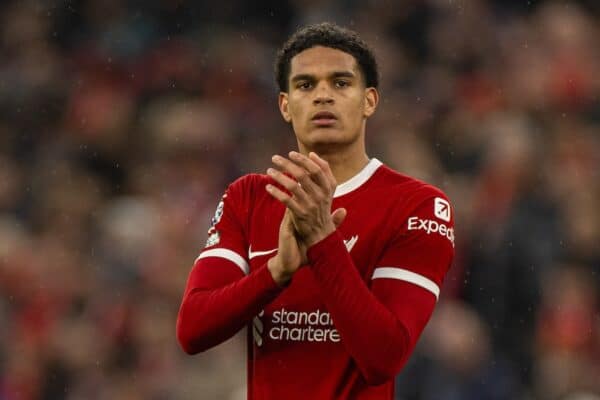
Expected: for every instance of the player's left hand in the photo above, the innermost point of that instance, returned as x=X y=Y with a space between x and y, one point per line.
x=311 y=189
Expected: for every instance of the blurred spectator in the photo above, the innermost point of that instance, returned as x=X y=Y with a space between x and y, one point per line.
x=568 y=334
x=456 y=362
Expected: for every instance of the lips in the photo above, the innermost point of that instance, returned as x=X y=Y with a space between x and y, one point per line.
x=324 y=115
x=324 y=118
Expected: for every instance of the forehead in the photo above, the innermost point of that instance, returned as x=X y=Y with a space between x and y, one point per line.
x=321 y=60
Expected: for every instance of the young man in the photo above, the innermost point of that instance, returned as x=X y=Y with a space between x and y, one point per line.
x=333 y=260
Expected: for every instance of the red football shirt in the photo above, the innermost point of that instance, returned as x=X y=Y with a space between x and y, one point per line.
x=347 y=322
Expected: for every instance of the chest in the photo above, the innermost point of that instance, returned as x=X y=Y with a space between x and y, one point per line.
x=298 y=316
x=365 y=232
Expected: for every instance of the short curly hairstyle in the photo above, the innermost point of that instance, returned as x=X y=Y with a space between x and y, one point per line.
x=330 y=35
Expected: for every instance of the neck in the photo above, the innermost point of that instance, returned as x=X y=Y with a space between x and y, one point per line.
x=345 y=163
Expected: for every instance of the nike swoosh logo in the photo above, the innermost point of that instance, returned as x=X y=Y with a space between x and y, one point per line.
x=350 y=242
x=252 y=254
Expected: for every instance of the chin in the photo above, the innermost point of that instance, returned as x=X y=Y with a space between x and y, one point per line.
x=323 y=140
x=325 y=135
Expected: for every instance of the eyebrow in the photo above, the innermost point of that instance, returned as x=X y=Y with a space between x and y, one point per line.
x=343 y=74
x=336 y=74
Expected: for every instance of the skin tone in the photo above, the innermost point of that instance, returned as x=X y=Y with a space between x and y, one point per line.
x=327 y=104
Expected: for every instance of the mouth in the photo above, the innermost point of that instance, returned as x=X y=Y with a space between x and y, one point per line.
x=324 y=118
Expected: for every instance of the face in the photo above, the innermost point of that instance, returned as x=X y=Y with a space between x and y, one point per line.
x=327 y=102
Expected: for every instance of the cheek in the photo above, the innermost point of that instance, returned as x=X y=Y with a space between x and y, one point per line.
x=355 y=111
x=296 y=112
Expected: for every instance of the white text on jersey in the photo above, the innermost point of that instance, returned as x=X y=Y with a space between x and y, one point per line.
x=430 y=226
x=299 y=326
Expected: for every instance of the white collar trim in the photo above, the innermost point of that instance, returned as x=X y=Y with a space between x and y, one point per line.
x=357 y=180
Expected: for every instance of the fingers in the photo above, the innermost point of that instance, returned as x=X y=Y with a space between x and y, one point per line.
x=287 y=224
x=298 y=172
x=287 y=217
x=324 y=165
x=338 y=216
x=291 y=185
x=315 y=172
x=283 y=197
x=306 y=187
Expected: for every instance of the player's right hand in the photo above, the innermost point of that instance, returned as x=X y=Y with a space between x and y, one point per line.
x=291 y=252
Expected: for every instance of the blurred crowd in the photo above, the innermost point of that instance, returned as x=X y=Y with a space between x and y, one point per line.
x=122 y=122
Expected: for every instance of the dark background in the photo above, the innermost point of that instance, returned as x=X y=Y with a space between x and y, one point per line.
x=122 y=122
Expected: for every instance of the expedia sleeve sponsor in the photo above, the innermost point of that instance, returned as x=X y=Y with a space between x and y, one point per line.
x=431 y=226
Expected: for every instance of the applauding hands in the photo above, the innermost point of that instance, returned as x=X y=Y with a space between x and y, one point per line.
x=308 y=218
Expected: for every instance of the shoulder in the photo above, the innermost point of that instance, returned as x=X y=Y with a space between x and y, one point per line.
x=247 y=191
x=249 y=180
x=412 y=191
x=423 y=206
x=248 y=184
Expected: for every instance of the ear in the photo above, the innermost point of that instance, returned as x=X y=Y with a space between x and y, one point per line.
x=283 y=106
x=371 y=101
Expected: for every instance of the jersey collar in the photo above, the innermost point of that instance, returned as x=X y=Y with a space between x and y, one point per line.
x=357 y=180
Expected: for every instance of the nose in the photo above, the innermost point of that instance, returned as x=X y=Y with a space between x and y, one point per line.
x=323 y=95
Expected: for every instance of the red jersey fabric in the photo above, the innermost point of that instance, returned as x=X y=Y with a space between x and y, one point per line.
x=347 y=322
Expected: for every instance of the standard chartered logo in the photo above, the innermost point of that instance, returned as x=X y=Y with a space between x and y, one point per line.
x=297 y=326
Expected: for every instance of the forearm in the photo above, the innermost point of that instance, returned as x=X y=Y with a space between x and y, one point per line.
x=378 y=341
x=209 y=316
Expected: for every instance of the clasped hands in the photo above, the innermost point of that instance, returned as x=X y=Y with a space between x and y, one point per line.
x=308 y=219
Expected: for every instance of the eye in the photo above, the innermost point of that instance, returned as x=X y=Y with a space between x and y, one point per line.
x=341 y=83
x=304 y=85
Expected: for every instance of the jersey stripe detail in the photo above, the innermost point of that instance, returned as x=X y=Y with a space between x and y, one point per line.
x=229 y=255
x=357 y=180
x=408 y=276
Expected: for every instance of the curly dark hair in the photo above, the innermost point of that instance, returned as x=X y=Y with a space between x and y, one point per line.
x=328 y=35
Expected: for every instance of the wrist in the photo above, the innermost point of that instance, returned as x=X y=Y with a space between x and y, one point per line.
x=318 y=236
x=278 y=273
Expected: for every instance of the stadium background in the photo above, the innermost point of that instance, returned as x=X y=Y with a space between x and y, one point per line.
x=121 y=123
